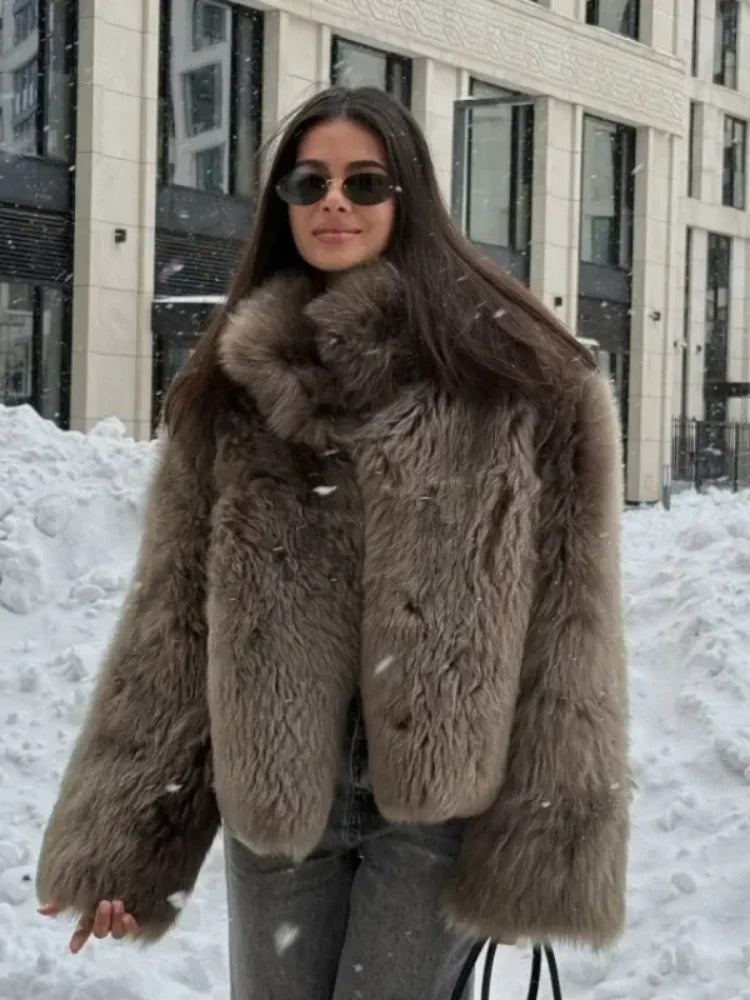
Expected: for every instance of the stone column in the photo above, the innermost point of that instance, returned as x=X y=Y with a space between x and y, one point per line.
x=435 y=86
x=296 y=63
x=556 y=205
x=743 y=49
x=653 y=313
x=116 y=155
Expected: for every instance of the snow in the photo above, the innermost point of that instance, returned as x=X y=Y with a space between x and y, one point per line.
x=70 y=507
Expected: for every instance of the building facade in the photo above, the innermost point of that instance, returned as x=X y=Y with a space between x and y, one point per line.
x=597 y=149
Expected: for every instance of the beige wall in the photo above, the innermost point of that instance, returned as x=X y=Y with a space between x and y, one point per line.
x=543 y=48
x=555 y=221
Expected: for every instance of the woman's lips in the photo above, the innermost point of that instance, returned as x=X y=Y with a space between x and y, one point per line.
x=335 y=235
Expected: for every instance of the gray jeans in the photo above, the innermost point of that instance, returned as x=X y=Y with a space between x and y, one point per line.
x=359 y=919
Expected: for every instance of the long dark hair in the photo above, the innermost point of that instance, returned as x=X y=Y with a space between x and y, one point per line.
x=477 y=327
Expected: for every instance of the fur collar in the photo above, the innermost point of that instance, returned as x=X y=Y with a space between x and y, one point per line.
x=320 y=368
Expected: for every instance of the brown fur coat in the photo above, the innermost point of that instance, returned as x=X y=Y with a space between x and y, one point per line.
x=459 y=563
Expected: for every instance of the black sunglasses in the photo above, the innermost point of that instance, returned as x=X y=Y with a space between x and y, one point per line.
x=365 y=187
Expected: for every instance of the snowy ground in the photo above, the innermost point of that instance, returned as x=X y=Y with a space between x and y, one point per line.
x=69 y=514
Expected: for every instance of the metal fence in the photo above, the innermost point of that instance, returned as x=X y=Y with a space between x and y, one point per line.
x=709 y=454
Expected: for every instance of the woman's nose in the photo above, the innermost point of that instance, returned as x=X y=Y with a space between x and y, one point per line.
x=335 y=199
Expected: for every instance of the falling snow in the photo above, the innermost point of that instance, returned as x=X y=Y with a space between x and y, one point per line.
x=70 y=510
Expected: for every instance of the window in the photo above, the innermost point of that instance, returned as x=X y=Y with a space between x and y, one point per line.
x=202 y=99
x=725 y=43
x=500 y=145
x=209 y=170
x=717 y=322
x=620 y=16
x=693 y=146
x=24 y=89
x=39 y=121
x=25 y=20
x=210 y=23
x=734 y=160
x=210 y=96
x=356 y=65
x=695 y=38
x=607 y=193
x=34 y=351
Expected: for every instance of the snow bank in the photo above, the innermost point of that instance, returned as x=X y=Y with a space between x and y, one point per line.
x=70 y=509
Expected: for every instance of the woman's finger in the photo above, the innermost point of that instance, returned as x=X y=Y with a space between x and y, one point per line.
x=103 y=919
x=81 y=934
x=50 y=909
x=131 y=925
x=118 y=924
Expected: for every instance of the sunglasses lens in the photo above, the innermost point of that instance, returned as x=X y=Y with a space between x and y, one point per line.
x=302 y=187
x=368 y=188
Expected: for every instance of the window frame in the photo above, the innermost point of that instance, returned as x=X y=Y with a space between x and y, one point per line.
x=521 y=162
x=734 y=163
x=392 y=60
x=626 y=192
x=36 y=345
x=36 y=179
x=517 y=262
x=237 y=11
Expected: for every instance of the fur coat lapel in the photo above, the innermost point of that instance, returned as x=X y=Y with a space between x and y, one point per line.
x=320 y=368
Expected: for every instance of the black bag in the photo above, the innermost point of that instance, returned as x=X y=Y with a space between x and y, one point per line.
x=536 y=972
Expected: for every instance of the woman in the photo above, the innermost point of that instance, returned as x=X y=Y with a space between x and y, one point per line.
x=387 y=504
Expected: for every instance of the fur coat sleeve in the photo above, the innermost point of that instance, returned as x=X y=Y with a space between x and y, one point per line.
x=136 y=813
x=548 y=859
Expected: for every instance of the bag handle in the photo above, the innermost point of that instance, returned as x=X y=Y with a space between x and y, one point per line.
x=536 y=971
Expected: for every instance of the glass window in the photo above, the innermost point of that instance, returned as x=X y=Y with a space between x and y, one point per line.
x=36 y=79
x=734 y=160
x=717 y=319
x=620 y=16
x=209 y=170
x=499 y=175
x=607 y=193
x=25 y=19
x=59 y=105
x=725 y=43
x=24 y=88
x=210 y=107
x=33 y=348
x=54 y=360
x=210 y=24
x=359 y=66
x=16 y=343
x=203 y=107
x=356 y=65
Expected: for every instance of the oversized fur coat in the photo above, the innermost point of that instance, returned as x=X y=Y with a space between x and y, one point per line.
x=459 y=563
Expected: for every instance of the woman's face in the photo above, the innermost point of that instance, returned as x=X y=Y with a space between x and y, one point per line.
x=335 y=232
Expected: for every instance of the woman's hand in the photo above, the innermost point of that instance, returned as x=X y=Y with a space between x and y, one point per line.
x=109 y=918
